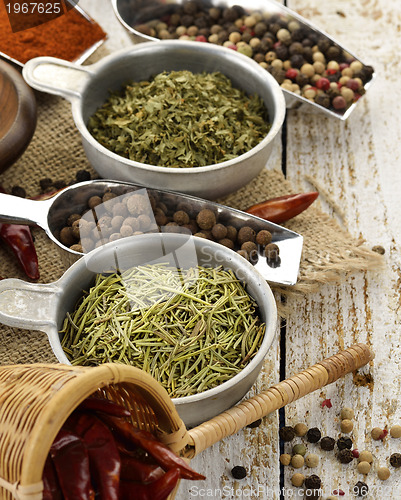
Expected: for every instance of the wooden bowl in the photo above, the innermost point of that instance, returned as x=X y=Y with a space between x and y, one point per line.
x=18 y=115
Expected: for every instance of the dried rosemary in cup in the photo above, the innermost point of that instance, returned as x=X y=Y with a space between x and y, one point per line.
x=180 y=119
x=191 y=330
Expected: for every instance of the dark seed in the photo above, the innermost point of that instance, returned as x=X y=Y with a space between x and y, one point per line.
x=287 y=433
x=238 y=472
x=343 y=443
x=313 y=435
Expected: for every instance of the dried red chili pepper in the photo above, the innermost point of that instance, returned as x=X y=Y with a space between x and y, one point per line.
x=135 y=470
x=283 y=208
x=71 y=461
x=158 y=490
x=19 y=239
x=165 y=457
x=51 y=487
x=105 y=406
x=104 y=459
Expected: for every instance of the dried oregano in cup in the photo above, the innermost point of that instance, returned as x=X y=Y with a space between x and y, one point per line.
x=180 y=119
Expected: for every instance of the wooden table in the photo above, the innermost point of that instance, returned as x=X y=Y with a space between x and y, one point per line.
x=356 y=163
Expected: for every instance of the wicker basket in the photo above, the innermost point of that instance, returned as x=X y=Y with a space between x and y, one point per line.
x=35 y=401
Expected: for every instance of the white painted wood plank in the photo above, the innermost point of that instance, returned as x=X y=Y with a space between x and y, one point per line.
x=357 y=163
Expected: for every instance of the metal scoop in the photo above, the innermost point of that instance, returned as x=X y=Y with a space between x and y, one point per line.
x=94 y=230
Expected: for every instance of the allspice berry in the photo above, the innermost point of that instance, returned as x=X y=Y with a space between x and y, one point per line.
x=298 y=479
x=300 y=429
x=246 y=233
x=285 y=459
x=206 y=219
x=347 y=413
x=395 y=431
x=297 y=461
x=383 y=473
x=364 y=467
x=263 y=237
x=219 y=231
x=346 y=425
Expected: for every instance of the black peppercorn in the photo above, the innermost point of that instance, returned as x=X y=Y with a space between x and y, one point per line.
x=281 y=52
x=45 y=184
x=344 y=443
x=83 y=175
x=333 y=53
x=395 y=460
x=297 y=60
x=287 y=433
x=360 y=489
x=255 y=424
x=238 y=472
x=323 y=100
x=313 y=435
x=18 y=191
x=327 y=443
x=345 y=456
x=323 y=44
x=59 y=184
x=298 y=35
x=313 y=482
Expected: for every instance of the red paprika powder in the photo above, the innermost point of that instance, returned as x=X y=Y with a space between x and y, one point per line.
x=66 y=37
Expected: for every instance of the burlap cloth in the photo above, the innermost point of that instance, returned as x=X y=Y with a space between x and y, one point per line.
x=329 y=252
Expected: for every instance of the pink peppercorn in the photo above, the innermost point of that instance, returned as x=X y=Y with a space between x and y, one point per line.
x=339 y=102
x=355 y=453
x=201 y=38
x=352 y=84
x=323 y=83
x=340 y=493
x=343 y=65
x=291 y=73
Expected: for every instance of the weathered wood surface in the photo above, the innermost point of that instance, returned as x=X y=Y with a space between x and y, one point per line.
x=357 y=163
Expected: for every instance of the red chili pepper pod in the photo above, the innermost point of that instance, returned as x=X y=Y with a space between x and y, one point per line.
x=104 y=459
x=135 y=470
x=51 y=487
x=165 y=457
x=71 y=461
x=19 y=239
x=158 y=490
x=283 y=208
x=105 y=406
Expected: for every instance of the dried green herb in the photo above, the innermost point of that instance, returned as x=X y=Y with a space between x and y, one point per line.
x=180 y=119
x=191 y=330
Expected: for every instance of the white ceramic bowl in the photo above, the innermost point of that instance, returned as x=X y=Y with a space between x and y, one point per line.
x=87 y=87
x=44 y=306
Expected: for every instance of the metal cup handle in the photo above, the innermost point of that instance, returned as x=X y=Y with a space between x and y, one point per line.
x=56 y=76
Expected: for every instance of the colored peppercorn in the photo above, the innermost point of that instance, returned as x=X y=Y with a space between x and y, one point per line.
x=313 y=435
x=395 y=460
x=255 y=424
x=383 y=473
x=395 y=431
x=299 y=449
x=343 y=443
x=313 y=482
x=238 y=472
x=287 y=433
x=360 y=489
x=345 y=456
x=300 y=429
x=364 y=467
x=346 y=425
x=327 y=443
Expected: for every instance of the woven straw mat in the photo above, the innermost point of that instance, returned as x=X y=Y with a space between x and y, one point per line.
x=56 y=152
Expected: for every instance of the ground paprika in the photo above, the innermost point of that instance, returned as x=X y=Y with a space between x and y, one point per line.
x=65 y=37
